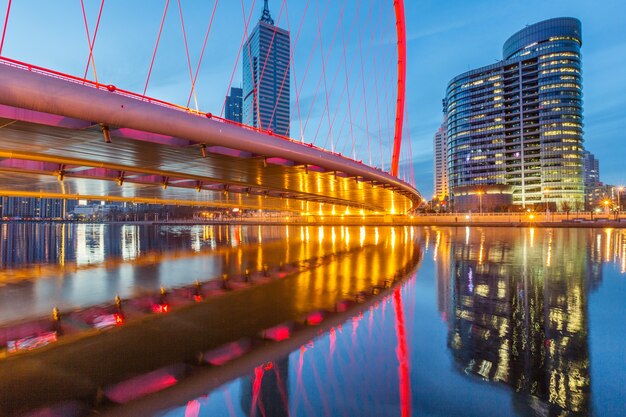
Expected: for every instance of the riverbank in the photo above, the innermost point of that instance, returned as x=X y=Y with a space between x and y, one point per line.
x=446 y=220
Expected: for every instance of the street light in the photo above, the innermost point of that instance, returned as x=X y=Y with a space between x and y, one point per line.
x=619 y=192
x=480 y=200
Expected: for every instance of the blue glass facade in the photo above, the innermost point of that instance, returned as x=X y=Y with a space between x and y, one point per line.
x=234 y=104
x=266 y=77
x=519 y=122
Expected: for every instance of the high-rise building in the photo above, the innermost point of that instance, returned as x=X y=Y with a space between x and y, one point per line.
x=591 y=169
x=518 y=122
x=266 y=76
x=234 y=104
x=40 y=208
x=591 y=180
x=440 y=151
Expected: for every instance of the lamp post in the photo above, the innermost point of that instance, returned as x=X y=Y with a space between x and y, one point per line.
x=619 y=193
x=480 y=201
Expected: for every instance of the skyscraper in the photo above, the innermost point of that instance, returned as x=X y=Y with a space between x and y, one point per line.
x=440 y=153
x=591 y=180
x=266 y=76
x=234 y=104
x=591 y=169
x=518 y=122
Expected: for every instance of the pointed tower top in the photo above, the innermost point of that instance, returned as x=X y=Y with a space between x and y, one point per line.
x=266 y=17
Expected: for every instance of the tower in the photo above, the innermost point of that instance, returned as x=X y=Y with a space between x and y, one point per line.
x=266 y=76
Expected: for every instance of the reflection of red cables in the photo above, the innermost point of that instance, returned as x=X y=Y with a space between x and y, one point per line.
x=403 y=356
x=256 y=390
x=4 y=30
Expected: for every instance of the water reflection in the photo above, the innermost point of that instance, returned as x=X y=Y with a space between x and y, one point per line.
x=519 y=315
x=513 y=309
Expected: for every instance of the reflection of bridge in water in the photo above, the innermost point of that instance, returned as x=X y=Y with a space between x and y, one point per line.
x=342 y=262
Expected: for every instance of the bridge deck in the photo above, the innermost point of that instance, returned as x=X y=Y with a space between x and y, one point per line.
x=52 y=145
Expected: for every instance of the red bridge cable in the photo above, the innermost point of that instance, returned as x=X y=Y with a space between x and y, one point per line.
x=82 y=5
x=167 y=3
x=319 y=28
x=386 y=78
x=255 y=92
x=319 y=38
x=182 y=26
x=267 y=55
x=346 y=85
x=243 y=40
x=93 y=43
x=4 y=29
x=206 y=38
x=367 y=127
x=401 y=37
x=293 y=68
x=345 y=70
x=342 y=63
x=308 y=65
x=332 y=87
x=348 y=74
x=410 y=148
x=376 y=84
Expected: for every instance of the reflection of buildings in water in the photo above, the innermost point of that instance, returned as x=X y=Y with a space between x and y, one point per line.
x=519 y=315
x=265 y=392
x=441 y=256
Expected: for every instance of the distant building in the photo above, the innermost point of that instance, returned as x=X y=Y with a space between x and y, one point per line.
x=518 y=122
x=266 y=76
x=591 y=179
x=35 y=208
x=591 y=170
x=234 y=105
x=440 y=153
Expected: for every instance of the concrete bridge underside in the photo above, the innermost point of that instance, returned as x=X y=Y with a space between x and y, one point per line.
x=54 y=143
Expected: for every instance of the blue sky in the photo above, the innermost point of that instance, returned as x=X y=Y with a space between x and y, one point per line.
x=445 y=38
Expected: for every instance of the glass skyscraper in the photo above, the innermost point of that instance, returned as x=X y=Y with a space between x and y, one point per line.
x=234 y=104
x=518 y=122
x=266 y=77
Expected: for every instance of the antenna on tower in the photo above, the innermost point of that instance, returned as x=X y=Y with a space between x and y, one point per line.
x=266 y=17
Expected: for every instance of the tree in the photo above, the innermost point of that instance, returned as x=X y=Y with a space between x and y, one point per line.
x=566 y=207
x=578 y=206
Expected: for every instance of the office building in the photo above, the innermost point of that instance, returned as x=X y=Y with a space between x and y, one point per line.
x=518 y=122
x=591 y=180
x=234 y=105
x=440 y=168
x=35 y=208
x=266 y=76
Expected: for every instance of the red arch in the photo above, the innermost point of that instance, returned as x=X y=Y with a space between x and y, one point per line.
x=398 y=6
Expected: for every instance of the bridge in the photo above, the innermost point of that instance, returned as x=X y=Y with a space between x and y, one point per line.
x=63 y=136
